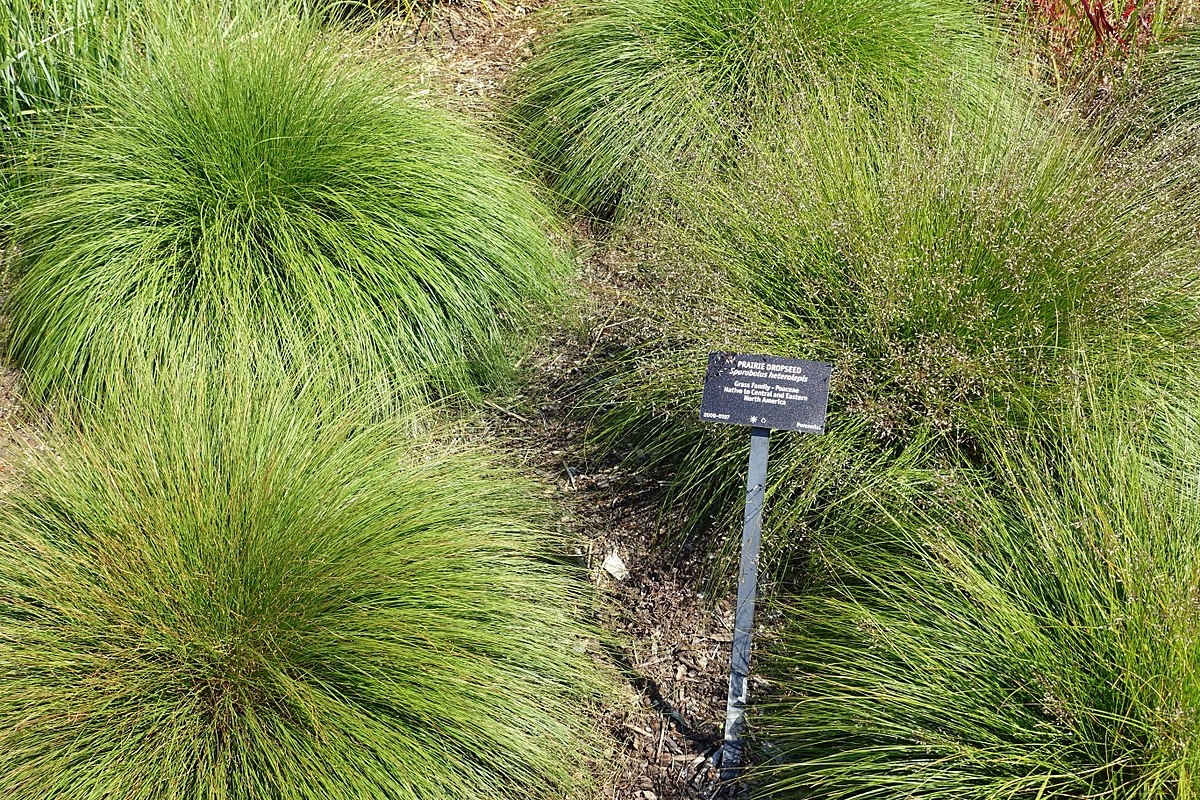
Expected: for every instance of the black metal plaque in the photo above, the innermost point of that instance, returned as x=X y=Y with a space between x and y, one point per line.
x=766 y=392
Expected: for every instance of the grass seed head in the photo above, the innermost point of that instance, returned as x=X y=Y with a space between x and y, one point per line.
x=956 y=275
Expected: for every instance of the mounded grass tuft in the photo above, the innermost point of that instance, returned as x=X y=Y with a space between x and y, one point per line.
x=213 y=595
x=253 y=180
x=955 y=275
x=52 y=50
x=630 y=91
x=1035 y=636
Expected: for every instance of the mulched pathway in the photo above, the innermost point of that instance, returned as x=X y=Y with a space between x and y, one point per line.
x=673 y=641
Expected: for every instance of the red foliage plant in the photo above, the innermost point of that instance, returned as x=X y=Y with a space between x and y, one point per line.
x=1081 y=38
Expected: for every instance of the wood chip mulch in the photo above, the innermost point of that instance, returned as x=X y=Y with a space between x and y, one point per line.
x=671 y=642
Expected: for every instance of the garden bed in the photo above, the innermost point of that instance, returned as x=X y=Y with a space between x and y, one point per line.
x=1005 y=290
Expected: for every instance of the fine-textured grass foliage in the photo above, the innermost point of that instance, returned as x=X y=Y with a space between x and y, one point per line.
x=1090 y=48
x=1035 y=636
x=952 y=274
x=49 y=51
x=211 y=594
x=48 y=47
x=251 y=180
x=1155 y=129
x=1174 y=93
x=630 y=90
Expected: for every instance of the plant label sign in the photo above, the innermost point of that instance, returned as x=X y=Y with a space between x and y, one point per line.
x=766 y=392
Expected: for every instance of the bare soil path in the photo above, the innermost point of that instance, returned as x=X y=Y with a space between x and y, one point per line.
x=671 y=641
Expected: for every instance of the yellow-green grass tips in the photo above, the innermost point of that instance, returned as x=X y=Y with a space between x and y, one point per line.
x=206 y=598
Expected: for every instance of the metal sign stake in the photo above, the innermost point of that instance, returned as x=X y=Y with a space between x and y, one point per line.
x=763 y=392
x=743 y=626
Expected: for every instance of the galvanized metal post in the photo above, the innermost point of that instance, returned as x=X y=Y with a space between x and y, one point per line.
x=743 y=626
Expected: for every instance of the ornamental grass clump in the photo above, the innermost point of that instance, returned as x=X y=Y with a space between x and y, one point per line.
x=252 y=179
x=952 y=274
x=630 y=91
x=210 y=594
x=1032 y=636
x=51 y=51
